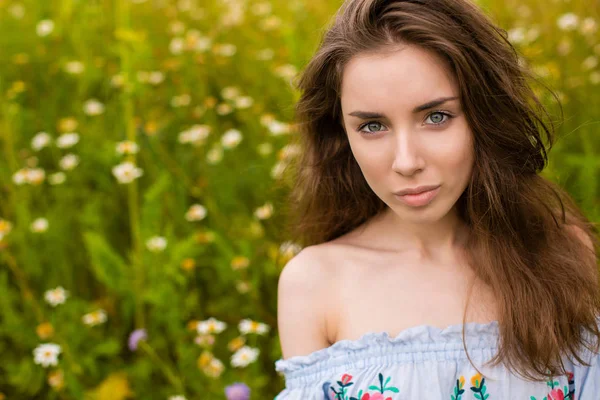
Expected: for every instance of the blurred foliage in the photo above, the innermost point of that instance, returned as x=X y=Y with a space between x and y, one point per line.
x=143 y=143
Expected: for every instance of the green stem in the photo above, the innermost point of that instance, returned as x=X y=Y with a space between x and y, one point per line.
x=26 y=292
x=132 y=193
x=8 y=111
x=171 y=377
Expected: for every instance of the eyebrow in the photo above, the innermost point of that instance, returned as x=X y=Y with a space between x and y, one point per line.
x=418 y=109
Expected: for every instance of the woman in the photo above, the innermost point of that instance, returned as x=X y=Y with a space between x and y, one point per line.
x=437 y=262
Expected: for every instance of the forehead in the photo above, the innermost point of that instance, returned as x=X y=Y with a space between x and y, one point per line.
x=407 y=75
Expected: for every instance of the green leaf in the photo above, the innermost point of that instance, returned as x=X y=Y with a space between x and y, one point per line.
x=110 y=347
x=107 y=266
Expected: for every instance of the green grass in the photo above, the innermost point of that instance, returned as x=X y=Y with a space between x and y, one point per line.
x=158 y=72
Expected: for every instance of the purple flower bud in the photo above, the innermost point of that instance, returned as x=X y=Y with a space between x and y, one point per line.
x=237 y=391
x=135 y=337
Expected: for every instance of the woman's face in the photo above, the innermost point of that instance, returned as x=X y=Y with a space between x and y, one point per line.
x=396 y=141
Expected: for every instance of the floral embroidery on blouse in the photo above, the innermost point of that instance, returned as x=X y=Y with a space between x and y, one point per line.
x=478 y=389
x=556 y=393
x=346 y=382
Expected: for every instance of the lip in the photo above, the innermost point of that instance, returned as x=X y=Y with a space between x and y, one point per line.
x=416 y=190
x=418 y=200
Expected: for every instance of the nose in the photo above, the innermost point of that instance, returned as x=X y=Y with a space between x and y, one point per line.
x=407 y=156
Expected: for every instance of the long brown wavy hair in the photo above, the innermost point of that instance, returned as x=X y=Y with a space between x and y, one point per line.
x=527 y=238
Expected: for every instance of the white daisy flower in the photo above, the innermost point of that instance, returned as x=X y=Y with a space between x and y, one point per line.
x=156 y=77
x=270 y=23
x=156 y=244
x=68 y=162
x=244 y=102
x=177 y=397
x=74 y=67
x=225 y=50
x=264 y=212
x=278 y=128
x=44 y=27
x=126 y=172
x=94 y=318
x=204 y=340
x=568 y=22
x=203 y=44
x=40 y=225
x=93 y=107
x=231 y=138
x=214 y=155
x=177 y=27
x=223 y=109
x=588 y=26
x=181 y=100
x=40 y=140
x=67 y=140
x=211 y=326
x=34 y=176
x=20 y=177
x=244 y=356
x=230 y=92
x=195 y=135
x=176 y=45
x=46 y=354
x=127 y=147
x=516 y=35
x=56 y=296
x=57 y=178
x=247 y=326
x=215 y=368
x=286 y=71
x=196 y=212
x=590 y=62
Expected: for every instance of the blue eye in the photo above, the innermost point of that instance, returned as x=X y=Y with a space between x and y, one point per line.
x=437 y=118
x=441 y=119
x=371 y=125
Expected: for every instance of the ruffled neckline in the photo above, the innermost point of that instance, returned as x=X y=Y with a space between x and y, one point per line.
x=420 y=334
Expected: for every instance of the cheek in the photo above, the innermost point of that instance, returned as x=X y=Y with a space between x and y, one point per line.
x=453 y=148
x=372 y=167
x=458 y=158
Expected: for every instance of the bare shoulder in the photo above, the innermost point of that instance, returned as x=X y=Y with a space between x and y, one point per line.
x=302 y=303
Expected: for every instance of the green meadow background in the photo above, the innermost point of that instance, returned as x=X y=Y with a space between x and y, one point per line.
x=142 y=150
